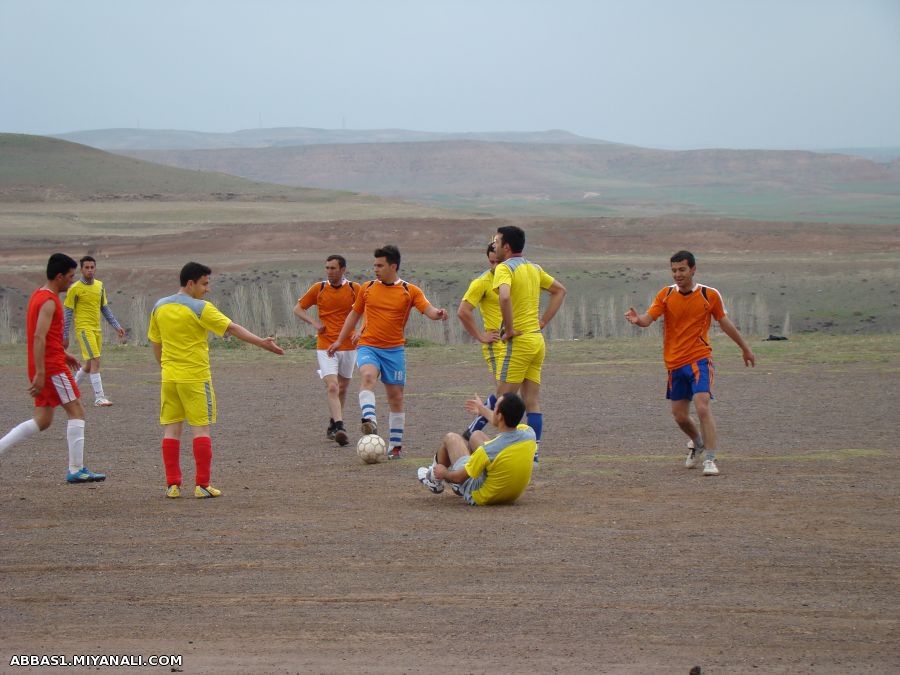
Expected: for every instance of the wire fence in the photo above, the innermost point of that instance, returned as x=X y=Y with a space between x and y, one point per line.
x=267 y=309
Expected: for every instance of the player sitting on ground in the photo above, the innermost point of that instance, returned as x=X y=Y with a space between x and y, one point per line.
x=486 y=470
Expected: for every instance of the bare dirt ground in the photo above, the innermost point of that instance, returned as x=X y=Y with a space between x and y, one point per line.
x=615 y=560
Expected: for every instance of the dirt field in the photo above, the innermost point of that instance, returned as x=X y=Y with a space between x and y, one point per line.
x=615 y=560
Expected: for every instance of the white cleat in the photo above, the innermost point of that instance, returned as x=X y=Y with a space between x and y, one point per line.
x=102 y=402
x=694 y=457
x=710 y=468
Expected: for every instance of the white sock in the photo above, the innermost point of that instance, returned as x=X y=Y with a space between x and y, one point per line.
x=97 y=384
x=18 y=433
x=367 y=403
x=79 y=376
x=397 y=422
x=75 y=437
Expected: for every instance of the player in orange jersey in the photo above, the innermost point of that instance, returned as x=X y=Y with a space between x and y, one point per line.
x=333 y=298
x=687 y=309
x=386 y=302
x=51 y=382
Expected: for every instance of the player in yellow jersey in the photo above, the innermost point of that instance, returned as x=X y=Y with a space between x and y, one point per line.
x=178 y=333
x=486 y=470
x=85 y=303
x=481 y=294
x=519 y=283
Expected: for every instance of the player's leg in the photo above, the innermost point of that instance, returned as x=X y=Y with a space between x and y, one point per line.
x=340 y=432
x=200 y=412
x=702 y=372
x=332 y=390
x=493 y=354
x=369 y=365
x=453 y=446
x=171 y=417
x=42 y=418
x=397 y=420
x=78 y=472
x=393 y=375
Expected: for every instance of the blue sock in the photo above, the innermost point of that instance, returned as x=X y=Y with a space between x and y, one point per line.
x=480 y=422
x=536 y=422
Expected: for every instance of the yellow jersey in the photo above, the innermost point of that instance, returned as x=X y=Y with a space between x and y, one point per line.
x=180 y=323
x=86 y=301
x=525 y=281
x=481 y=294
x=503 y=465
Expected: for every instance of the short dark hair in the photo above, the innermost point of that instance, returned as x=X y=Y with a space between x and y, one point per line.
x=390 y=253
x=514 y=236
x=340 y=260
x=684 y=255
x=512 y=407
x=59 y=263
x=193 y=271
x=492 y=248
x=85 y=259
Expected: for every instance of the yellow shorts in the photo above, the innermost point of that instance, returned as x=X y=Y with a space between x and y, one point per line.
x=523 y=359
x=193 y=401
x=90 y=342
x=493 y=355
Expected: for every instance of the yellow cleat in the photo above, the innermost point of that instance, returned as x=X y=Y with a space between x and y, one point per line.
x=174 y=492
x=206 y=492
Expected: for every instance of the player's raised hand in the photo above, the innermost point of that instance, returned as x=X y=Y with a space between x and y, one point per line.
x=631 y=316
x=475 y=405
x=442 y=314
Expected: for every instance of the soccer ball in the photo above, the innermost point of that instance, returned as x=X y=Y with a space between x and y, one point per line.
x=371 y=449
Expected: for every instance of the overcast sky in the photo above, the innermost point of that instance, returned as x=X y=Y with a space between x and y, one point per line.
x=661 y=73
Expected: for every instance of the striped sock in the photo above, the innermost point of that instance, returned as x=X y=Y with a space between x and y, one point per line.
x=367 y=404
x=397 y=422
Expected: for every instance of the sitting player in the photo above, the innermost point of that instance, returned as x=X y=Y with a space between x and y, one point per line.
x=487 y=470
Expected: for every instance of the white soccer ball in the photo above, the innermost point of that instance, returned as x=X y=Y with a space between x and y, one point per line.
x=371 y=449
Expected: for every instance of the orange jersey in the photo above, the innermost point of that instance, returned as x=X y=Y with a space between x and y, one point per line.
x=333 y=305
x=386 y=308
x=686 y=322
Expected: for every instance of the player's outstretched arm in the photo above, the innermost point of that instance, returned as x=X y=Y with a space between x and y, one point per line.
x=557 y=295
x=731 y=331
x=241 y=333
x=640 y=320
x=435 y=314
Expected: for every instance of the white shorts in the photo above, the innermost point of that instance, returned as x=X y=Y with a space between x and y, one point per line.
x=342 y=363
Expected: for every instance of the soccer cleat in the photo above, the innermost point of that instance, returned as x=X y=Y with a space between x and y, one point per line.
x=369 y=426
x=174 y=492
x=426 y=478
x=340 y=434
x=206 y=492
x=457 y=489
x=395 y=453
x=466 y=435
x=102 y=402
x=710 y=468
x=84 y=475
x=694 y=457
x=329 y=433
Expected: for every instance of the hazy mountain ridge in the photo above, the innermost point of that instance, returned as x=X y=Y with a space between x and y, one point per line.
x=173 y=139
x=562 y=171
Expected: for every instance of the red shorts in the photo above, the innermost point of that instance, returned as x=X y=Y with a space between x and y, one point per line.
x=59 y=389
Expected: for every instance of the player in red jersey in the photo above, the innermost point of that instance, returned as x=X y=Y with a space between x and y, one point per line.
x=49 y=370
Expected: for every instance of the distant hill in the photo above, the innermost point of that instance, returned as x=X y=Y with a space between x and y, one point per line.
x=37 y=168
x=473 y=170
x=884 y=155
x=163 y=139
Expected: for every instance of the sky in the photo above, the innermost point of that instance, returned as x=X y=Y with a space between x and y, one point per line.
x=658 y=73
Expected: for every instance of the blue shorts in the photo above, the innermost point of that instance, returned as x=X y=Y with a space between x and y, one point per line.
x=391 y=362
x=693 y=378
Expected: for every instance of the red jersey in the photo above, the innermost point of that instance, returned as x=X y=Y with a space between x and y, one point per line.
x=54 y=353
